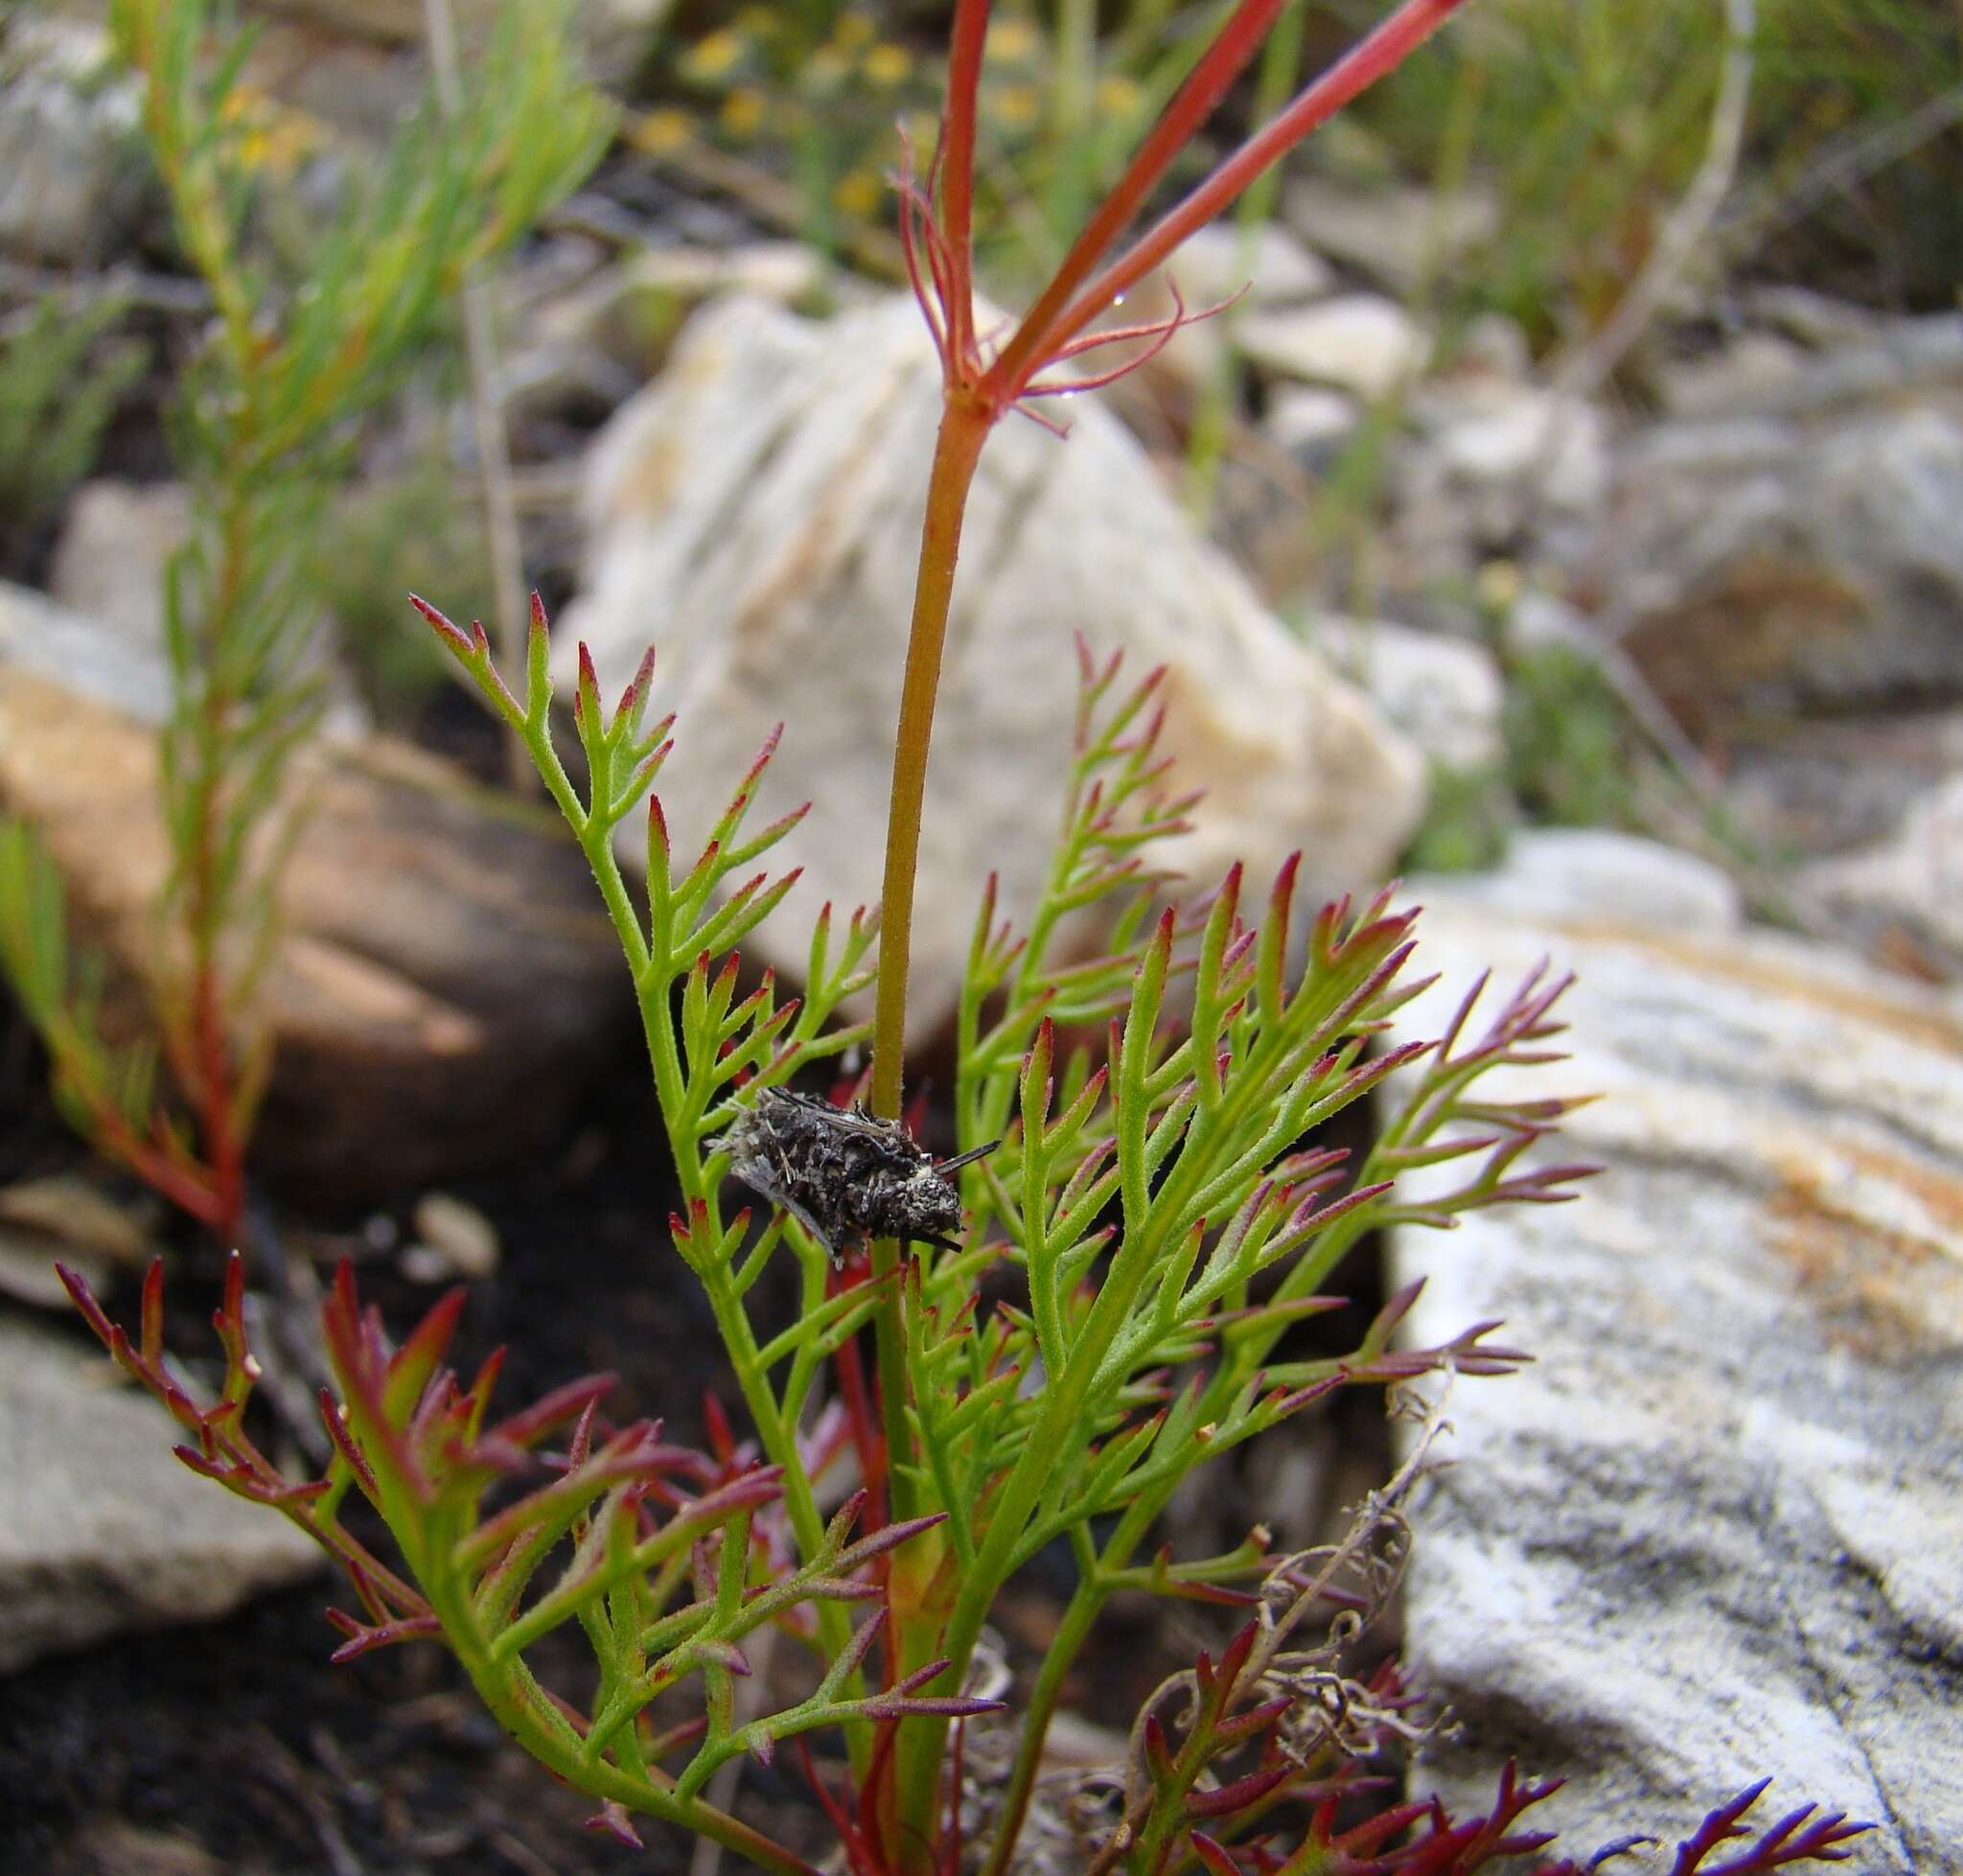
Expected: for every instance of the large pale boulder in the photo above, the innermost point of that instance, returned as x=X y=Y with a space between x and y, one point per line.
x=1713 y=1535
x=755 y=513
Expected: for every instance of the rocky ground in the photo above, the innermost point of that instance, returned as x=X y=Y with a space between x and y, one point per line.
x=1711 y=1535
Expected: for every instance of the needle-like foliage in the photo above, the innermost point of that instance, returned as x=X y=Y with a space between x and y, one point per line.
x=264 y=431
x=1142 y=1093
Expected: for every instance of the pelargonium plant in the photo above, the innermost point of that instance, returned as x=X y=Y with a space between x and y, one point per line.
x=1093 y=1301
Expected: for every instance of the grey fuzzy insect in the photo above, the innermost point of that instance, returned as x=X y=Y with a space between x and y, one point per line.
x=846 y=1175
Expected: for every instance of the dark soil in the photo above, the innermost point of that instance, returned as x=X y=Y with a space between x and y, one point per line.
x=239 y=1747
x=242 y=1737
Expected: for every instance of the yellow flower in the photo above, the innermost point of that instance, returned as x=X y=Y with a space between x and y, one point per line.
x=825 y=70
x=1118 y=96
x=858 y=193
x=853 y=31
x=1011 y=41
x=743 y=111
x=286 y=142
x=1498 y=583
x=886 y=66
x=660 y=133
x=713 y=57
x=1014 y=106
x=266 y=134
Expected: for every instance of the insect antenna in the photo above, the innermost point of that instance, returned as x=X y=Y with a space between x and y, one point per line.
x=968 y=1158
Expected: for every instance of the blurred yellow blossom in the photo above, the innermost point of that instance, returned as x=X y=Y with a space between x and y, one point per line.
x=827 y=69
x=1119 y=96
x=858 y=193
x=886 y=66
x=853 y=31
x=713 y=57
x=659 y=132
x=268 y=135
x=1011 y=41
x=1013 y=106
x=1498 y=585
x=743 y=111
x=923 y=132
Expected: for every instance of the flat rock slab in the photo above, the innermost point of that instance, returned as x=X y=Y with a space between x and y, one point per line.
x=756 y=515
x=100 y=1529
x=447 y=978
x=1716 y=1532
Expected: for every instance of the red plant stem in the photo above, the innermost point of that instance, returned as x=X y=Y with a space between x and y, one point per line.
x=974 y=401
x=210 y=1048
x=866 y=1441
x=1370 y=58
x=956 y=161
x=179 y=1182
x=1033 y=341
x=965 y=425
x=223 y=1147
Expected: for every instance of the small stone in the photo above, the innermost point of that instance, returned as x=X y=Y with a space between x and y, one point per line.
x=424 y=1264
x=1311 y=422
x=28 y=1274
x=114 y=1846
x=71 y=173
x=100 y=1529
x=1398 y=237
x=1357 y=343
x=460 y=1234
x=1914 y=877
x=592 y=346
x=72 y=1212
x=1443 y=693
x=108 y=563
x=1569 y=876
x=36 y=635
x=1751 y=371
x=1499 y=433
x=108 y=568
x=1494 y=346
x=66 y=1218
x=1221 y=267
x=1266 y=264
x=1817 y=321
x=1538 y=620
x=785 y=271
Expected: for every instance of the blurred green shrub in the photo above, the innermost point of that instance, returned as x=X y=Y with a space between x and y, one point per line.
x=415 y=531
x=1588 y=119
x=1469 y=814
x=63 y=373
x=1570 y=757
x=269 y=414
x=826 y=93
x=1570 y=746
